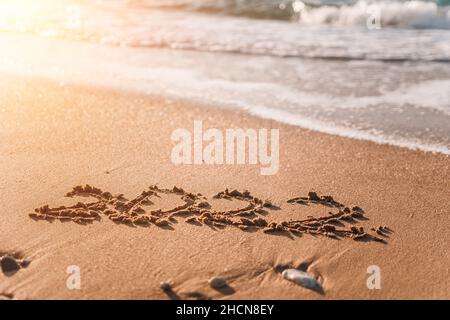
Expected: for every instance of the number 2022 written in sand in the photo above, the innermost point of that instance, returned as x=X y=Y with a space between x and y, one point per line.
x=254 y=215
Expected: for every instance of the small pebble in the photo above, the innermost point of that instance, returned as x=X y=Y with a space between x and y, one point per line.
x=25 y=263
x=301 y=278
x=9 y=264
x=217 y=282
x=166 y=286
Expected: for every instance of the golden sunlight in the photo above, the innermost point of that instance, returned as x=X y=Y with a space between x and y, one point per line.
x=45 y=17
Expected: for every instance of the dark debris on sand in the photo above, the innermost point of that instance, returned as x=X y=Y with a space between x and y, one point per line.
x=9 y=264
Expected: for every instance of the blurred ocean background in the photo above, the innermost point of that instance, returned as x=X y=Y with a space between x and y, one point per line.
x=374 y=70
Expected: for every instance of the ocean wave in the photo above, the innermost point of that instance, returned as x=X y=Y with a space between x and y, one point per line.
x=404 y=14
x=399 y=104
x=409 y=14
x=349 y=132
x=324 y=30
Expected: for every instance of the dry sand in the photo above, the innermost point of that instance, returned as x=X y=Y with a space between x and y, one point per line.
x=54 y=137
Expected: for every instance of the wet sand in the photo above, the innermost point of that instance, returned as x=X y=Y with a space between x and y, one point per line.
x=56 y=139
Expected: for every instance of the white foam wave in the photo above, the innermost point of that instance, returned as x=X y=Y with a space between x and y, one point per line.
x=409 y=14
x=330 y=128
x=150 y=72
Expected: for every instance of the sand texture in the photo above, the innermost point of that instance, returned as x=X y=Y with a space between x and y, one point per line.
x=86 y=180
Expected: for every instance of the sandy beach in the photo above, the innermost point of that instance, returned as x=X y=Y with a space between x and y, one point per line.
x=56 y=137
x=224 y=150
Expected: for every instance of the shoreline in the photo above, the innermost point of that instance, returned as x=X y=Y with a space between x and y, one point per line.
x=139 y=70
x=58 y=137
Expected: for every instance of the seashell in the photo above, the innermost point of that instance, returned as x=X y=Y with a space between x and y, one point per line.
x=301 y=278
